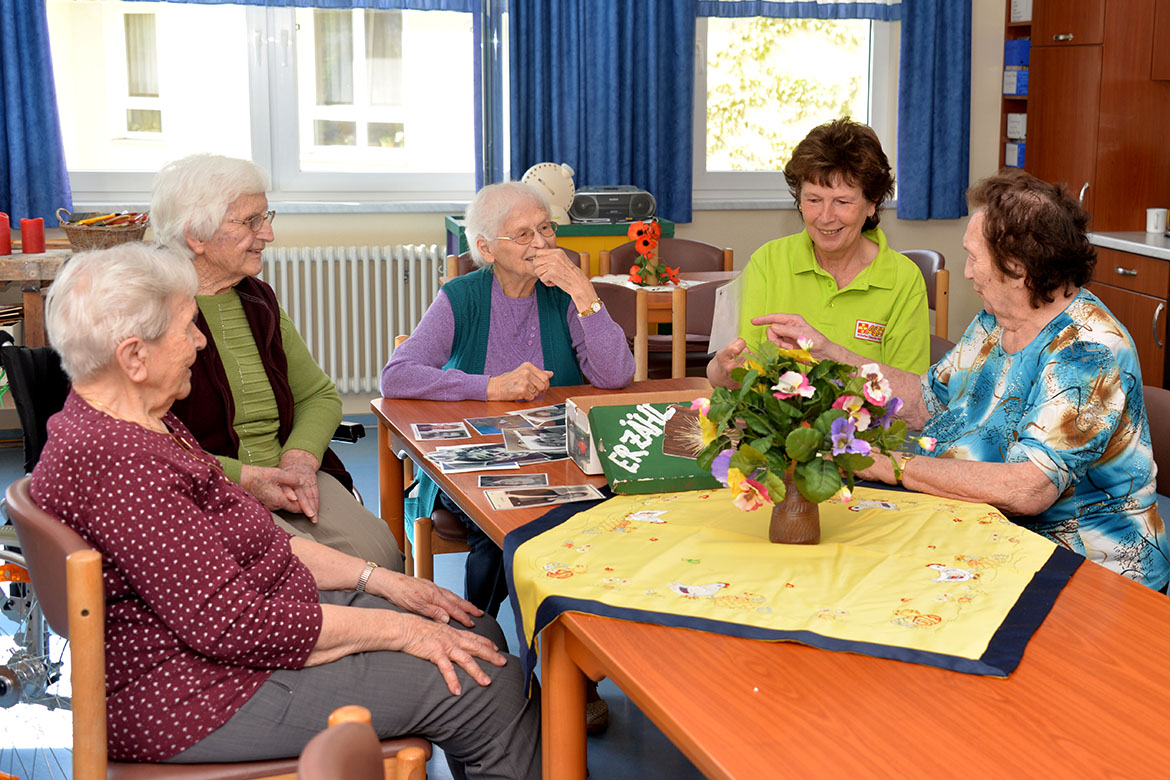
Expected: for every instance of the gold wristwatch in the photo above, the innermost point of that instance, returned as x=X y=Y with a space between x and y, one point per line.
x=592 y=308
x=900 y=465
x=365 y=577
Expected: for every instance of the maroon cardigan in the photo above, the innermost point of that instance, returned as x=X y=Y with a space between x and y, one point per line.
x=209 y=409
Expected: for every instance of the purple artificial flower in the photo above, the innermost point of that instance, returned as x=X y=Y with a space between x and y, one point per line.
x=720 y=465
x=841 y=434
x=892 y=408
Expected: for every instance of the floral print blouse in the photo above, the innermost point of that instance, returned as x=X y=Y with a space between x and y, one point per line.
x=1071 y=404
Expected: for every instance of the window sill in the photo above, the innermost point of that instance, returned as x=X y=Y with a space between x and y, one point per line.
x=312 y=207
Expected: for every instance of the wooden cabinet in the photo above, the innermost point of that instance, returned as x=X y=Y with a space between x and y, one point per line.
x=1098 y=114
x=1160 y=67
x=1067 y=22
x=1064 y=94
x=1135 y=288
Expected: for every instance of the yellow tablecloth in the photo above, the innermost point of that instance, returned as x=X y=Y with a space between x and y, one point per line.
x=896 y=574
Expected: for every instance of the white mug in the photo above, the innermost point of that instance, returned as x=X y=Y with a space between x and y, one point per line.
x=1155 y=220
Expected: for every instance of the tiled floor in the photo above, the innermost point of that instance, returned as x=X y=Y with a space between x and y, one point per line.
x=632 y=747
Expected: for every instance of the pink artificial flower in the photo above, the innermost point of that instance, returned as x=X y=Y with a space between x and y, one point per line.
x=844 y=495
x=793 y=383
x=855 y=408
x=749 y=495
x=927 y=442
x=804 y=343
x=701 y=405
x=876 y=388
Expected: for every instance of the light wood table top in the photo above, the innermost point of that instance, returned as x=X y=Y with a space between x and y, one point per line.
x=34 y=272
x=1090 y=698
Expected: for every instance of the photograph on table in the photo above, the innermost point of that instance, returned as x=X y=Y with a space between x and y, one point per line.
x=512 y=480
x=477 y=457
x=552 y=441
x=544 y=415
x=491 y=426
x=443 y=430
x=519 y=498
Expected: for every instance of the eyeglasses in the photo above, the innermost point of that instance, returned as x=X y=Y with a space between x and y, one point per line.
x=525 y=236
x=256 y=223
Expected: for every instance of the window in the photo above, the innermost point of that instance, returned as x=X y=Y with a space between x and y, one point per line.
x=336 y=105
x=761 y=84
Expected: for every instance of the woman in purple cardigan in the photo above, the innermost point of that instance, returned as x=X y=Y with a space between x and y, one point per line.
x=227 y=638
x=528 y=318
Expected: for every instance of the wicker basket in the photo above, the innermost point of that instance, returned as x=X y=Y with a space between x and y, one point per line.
x=85 y=237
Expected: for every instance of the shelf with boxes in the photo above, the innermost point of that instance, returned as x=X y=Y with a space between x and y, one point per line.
x=1017 y=46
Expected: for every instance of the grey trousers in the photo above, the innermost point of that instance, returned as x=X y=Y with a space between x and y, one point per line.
x=345 y=525
x=488 y=731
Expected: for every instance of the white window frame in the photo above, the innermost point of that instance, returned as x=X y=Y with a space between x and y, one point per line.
x=272 y=74
x=759 y=189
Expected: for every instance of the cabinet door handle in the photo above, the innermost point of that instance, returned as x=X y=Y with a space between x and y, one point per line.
x=1125 y=271
x=1062 y=37
x=1158 y=313
x=1081 y=196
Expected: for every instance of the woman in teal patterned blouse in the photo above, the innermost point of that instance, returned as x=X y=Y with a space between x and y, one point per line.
x=1038 y=409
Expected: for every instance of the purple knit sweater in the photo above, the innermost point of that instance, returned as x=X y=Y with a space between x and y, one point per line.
x=416 y=368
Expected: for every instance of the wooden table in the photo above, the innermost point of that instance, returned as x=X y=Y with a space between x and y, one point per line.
x=34 y=272
x=1091 y=696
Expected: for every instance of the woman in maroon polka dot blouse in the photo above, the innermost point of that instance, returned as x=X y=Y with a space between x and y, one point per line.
x=227 y=638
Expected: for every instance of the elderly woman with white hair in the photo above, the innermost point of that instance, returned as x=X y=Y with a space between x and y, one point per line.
x=528 y=318
x=229 y=639
x=259 y=401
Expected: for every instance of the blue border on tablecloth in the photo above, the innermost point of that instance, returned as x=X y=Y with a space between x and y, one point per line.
x=1000 y=659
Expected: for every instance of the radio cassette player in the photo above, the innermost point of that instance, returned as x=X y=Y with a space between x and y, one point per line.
x=617 y=203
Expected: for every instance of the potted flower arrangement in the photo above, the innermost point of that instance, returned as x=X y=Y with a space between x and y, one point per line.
x=646 y=270
x=794 y=433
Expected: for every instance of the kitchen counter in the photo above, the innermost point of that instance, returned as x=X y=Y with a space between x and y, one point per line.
x=1139 y=243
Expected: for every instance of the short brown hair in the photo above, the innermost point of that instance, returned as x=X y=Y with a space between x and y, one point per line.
x=847 y=150
x=1038 y=226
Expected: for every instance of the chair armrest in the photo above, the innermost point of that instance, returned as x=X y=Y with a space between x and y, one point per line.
x=349 y=432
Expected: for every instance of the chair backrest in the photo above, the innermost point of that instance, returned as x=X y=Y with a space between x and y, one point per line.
x=630 y=309
x=1158 y=412
x=458 y=265
x=701 y=307
x=938 y=284
x=45 y=543
x=347 y=750
x=683 y=253
x=39 y=387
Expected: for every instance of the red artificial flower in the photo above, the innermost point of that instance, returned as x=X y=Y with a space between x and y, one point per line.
x=645 y=245
x=654 y=230
x=672 y=273
x=634 y=277
x=637 y=230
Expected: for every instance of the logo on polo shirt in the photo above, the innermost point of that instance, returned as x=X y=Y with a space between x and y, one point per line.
x=869 y=331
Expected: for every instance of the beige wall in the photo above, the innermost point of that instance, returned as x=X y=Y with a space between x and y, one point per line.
x=745 y=231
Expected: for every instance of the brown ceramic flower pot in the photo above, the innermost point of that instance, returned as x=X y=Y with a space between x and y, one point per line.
x=795 y=520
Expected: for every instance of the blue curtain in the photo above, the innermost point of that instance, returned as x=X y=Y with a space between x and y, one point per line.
x=33 y=179
x=934 y=109
x=878 y=10
x=607 y=87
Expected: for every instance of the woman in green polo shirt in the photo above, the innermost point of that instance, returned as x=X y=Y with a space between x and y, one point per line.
x=839 y=273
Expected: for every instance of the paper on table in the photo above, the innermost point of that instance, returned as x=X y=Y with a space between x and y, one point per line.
x=725 y=319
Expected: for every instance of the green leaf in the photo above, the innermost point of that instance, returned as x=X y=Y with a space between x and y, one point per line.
x=747 y=383
x=775 y=485
x=747 y=459
x=758 y=422
x=818 y=479
x=851 y=462
x=824 y=423
x=763 y=444
x=802 y=444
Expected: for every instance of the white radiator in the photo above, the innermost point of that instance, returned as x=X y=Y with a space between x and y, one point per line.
x=349 y=302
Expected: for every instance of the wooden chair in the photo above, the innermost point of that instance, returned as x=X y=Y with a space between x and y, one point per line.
x=457 y=265
x=684 y=253
x=349 y=750
x=630 y=309
x=67 y=576
x=938 y=287
x=696 y=345
x=1158 y=412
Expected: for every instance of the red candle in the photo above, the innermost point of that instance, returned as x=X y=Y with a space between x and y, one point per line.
x=5 y=235
x=32 y=236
